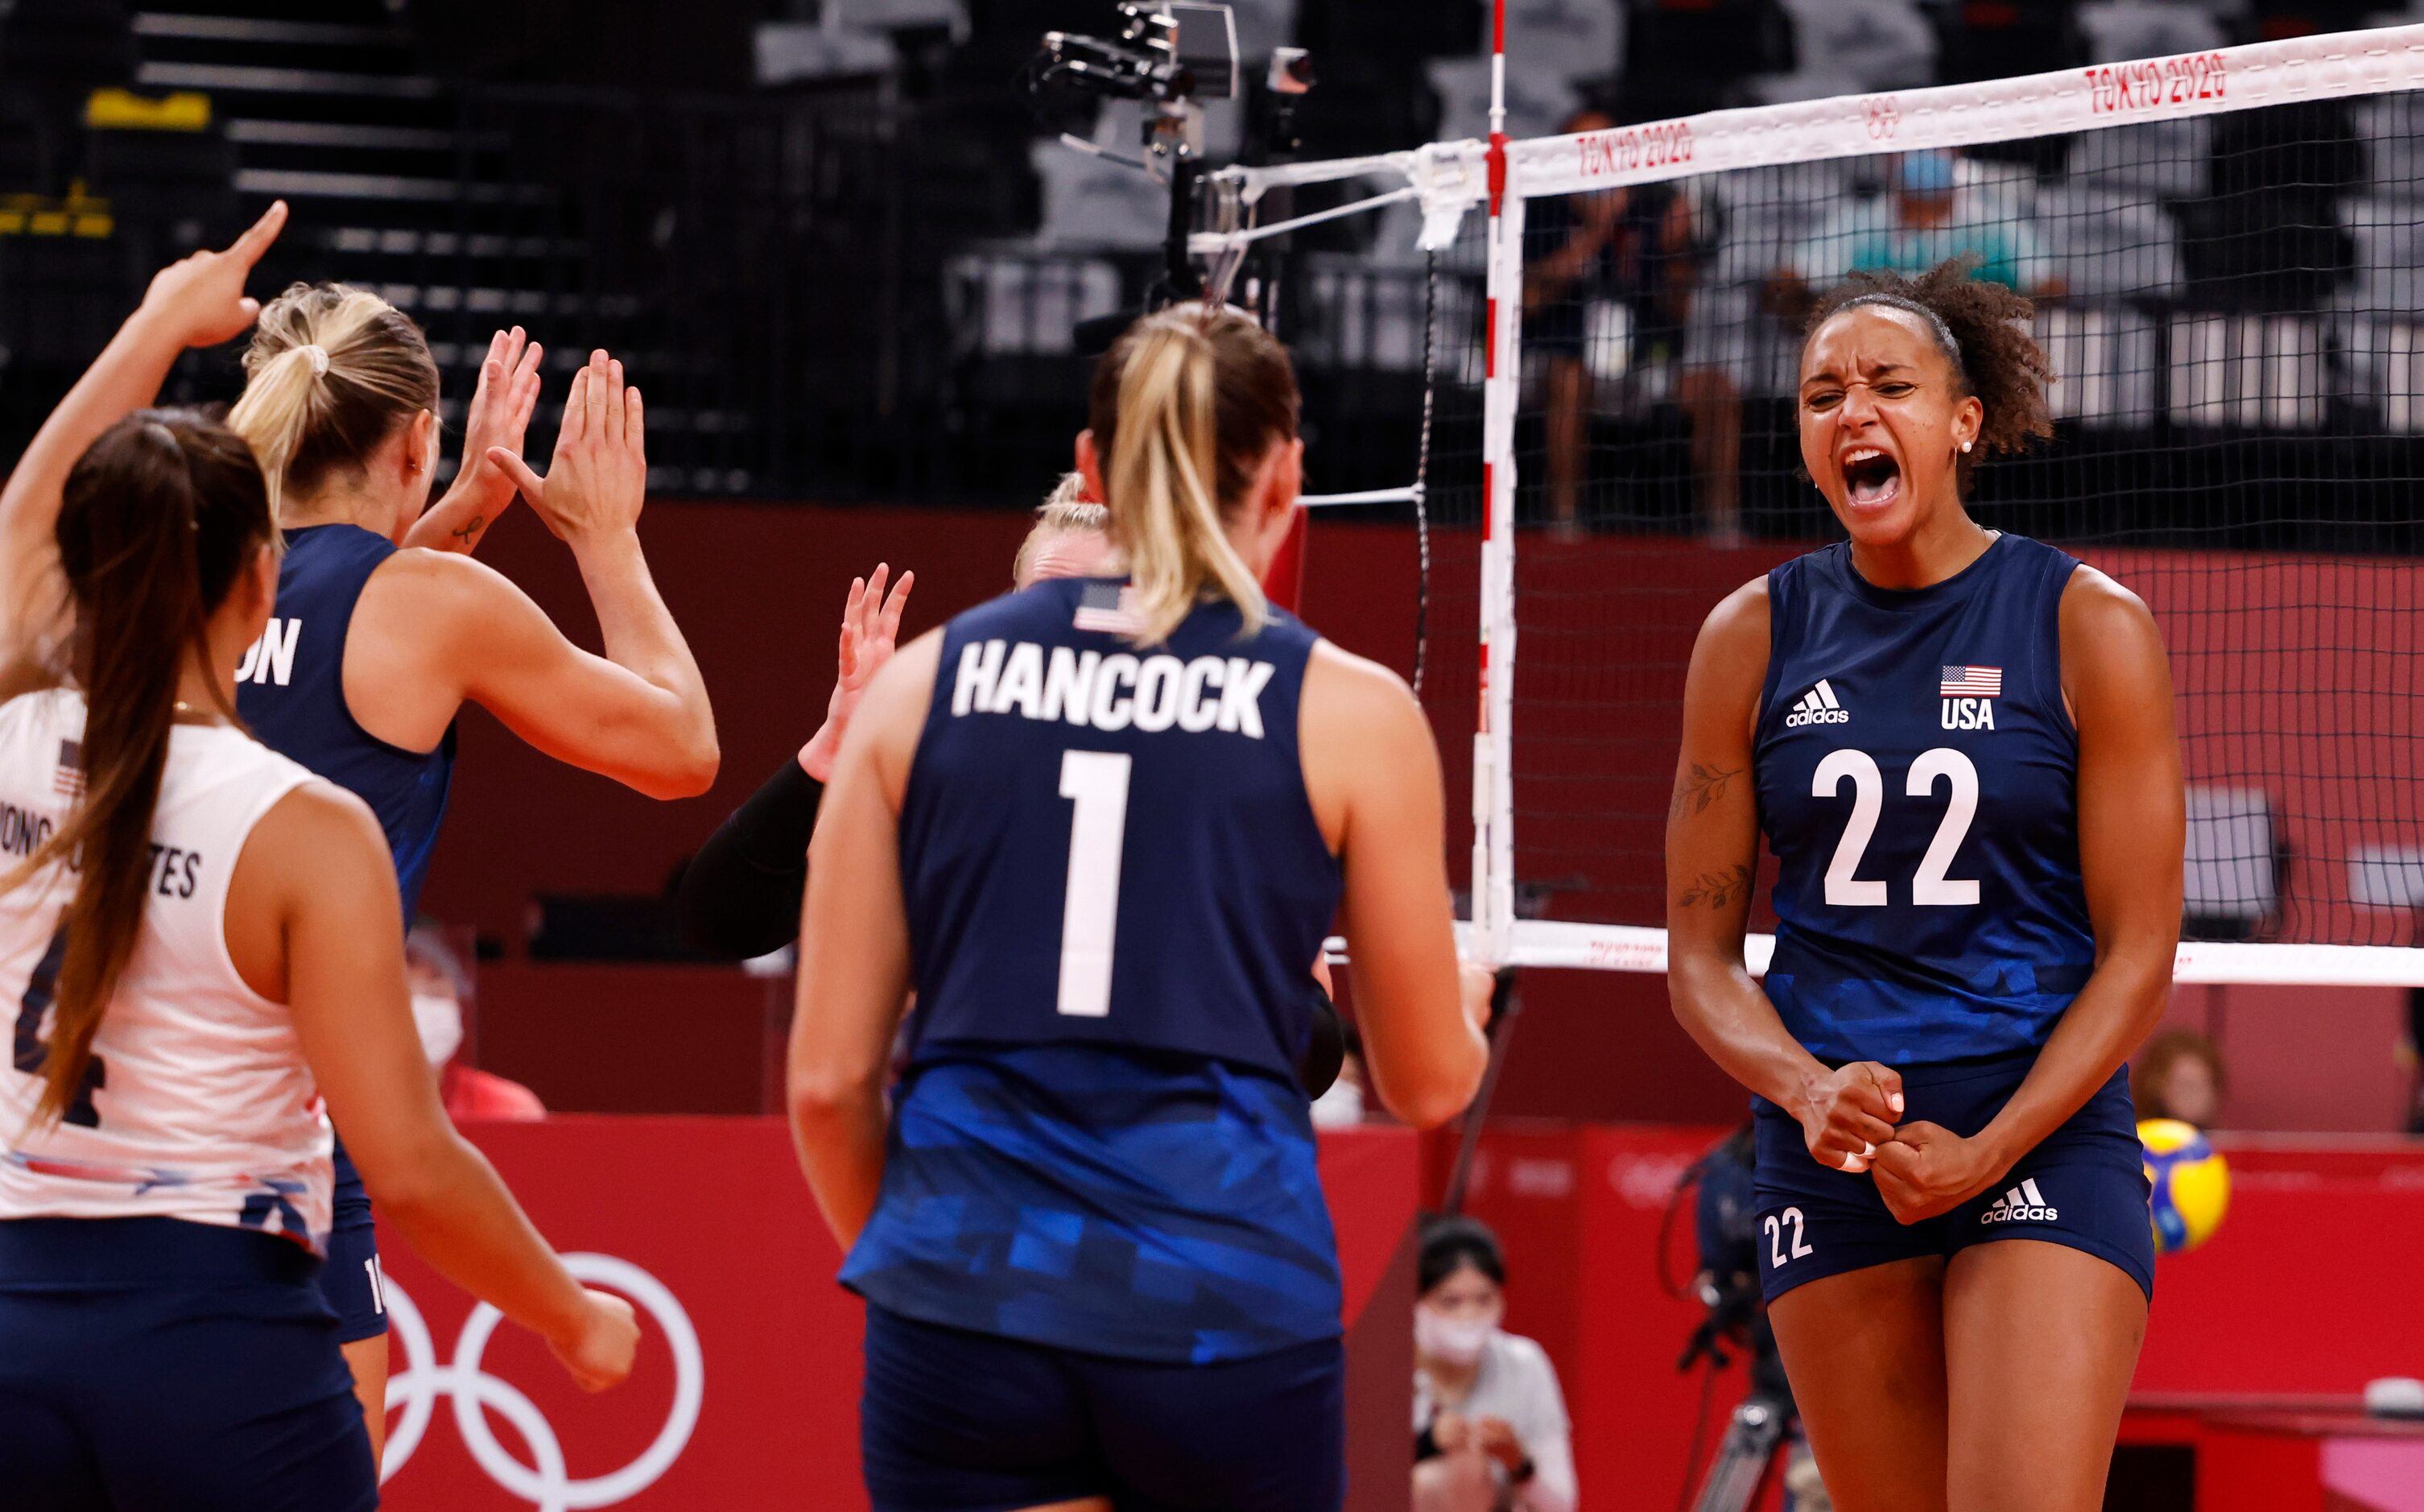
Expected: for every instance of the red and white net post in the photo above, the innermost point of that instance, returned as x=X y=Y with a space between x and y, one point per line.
x=1493 y=799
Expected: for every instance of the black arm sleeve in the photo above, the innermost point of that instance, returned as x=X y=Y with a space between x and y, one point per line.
x=740 y=896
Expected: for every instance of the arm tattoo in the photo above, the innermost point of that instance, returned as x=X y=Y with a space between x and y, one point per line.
x=1699 y=787
x=1718 y=889
x=471 y=530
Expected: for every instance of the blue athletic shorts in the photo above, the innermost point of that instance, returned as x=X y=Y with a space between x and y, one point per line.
x=959 y=1422
x=350 y=1280
x=2084 y=1186
x=174 y=1367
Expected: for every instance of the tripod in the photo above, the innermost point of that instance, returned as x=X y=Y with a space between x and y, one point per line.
x=1748 y=1455
x=1761 y=1431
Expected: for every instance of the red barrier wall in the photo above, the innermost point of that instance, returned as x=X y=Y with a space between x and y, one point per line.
x=1608 y=623
x=2304 y=1289
x=713 y=1213
x=758 y=591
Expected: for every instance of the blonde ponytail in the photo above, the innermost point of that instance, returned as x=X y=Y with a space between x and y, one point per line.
x=331 y=372
x=272 y=415
x=1187 y=406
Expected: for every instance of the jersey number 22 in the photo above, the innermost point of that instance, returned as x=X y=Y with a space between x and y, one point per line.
x=1930 y=886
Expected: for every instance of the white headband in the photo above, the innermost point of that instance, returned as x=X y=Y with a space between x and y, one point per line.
x=319 y=355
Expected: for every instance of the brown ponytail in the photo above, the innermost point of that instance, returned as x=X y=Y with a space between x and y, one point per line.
x=332 y=370
x=163 y=514
x=1184 y=408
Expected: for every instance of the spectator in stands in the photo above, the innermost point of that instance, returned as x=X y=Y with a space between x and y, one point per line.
x=2180 y=1077
x=1630 y=247
x=1491 y=1429
x=1924 y=221
x=439 y=984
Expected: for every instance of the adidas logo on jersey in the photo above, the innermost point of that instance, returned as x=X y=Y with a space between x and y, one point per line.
x=1817 y=706
x=2022 y=1202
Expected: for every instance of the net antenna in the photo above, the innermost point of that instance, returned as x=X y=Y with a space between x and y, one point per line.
x=2215 y=409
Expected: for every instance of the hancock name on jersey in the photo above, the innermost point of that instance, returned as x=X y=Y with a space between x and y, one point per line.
x=1969 y=714
x=1111 y=693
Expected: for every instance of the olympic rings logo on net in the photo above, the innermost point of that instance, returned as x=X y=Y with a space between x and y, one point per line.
x=547 y=1484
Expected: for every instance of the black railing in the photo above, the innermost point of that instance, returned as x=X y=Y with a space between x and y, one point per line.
x=824 y=298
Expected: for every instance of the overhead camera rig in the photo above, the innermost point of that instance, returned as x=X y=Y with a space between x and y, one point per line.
x=1175 y=57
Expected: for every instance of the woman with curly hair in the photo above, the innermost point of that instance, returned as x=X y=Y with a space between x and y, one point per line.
x=1958 y=743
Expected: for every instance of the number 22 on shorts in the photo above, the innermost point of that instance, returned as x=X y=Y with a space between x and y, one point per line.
x=1777 y=1224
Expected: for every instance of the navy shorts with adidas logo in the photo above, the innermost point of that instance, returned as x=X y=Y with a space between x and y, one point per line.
x=2084 y=1186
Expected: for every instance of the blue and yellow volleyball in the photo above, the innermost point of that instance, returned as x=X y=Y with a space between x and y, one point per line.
x=2191 y=1184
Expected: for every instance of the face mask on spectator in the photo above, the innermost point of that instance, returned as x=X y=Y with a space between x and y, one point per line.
x=1457 y=1341
x=440 y=1019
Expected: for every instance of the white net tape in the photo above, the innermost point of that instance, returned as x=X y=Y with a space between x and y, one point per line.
x=1451 y=179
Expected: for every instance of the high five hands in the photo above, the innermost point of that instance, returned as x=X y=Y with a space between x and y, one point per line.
x=871 y=629
x=597 y=481
x=1850 y=1121
x=502 y=404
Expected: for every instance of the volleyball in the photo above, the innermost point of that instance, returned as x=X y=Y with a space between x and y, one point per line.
x=2191 y=1184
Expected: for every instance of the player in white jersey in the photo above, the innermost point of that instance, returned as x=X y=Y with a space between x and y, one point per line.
x=201 y=940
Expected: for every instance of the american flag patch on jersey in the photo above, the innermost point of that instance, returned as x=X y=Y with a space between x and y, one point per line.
x=1104 y=607
x=68 y=779
x=1972 y=682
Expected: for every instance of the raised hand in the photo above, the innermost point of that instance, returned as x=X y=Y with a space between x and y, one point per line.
x=598 y=479
x=1851 y=1113
x=599 y=1353
x=499 y=415
x=871 y=630
x=198 y=301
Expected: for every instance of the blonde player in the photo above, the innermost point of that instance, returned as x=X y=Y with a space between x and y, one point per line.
x=373 y=649
x=1098 y=1265
x=202 y=941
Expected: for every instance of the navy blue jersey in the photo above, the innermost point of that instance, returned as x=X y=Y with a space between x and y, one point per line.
x=1116 y=889
x=1918 y=781
x=290 y=689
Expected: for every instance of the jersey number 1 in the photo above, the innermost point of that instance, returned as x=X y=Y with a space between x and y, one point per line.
x=1097 y=783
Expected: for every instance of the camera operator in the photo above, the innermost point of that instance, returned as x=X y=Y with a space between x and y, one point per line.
x=1491 y=1429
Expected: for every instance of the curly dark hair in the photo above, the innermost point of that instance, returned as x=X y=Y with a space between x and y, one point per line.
x=1983 y=330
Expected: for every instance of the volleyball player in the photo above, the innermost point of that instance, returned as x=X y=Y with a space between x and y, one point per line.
x=200 y=937
x=1960 y=745
x=1105 y=828
x=373 y=649
x=740 y=895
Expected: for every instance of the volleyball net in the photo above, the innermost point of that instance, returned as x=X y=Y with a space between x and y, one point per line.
x=2226 y=249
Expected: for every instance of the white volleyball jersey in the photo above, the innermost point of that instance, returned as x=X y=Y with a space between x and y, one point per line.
x=199 y=1105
